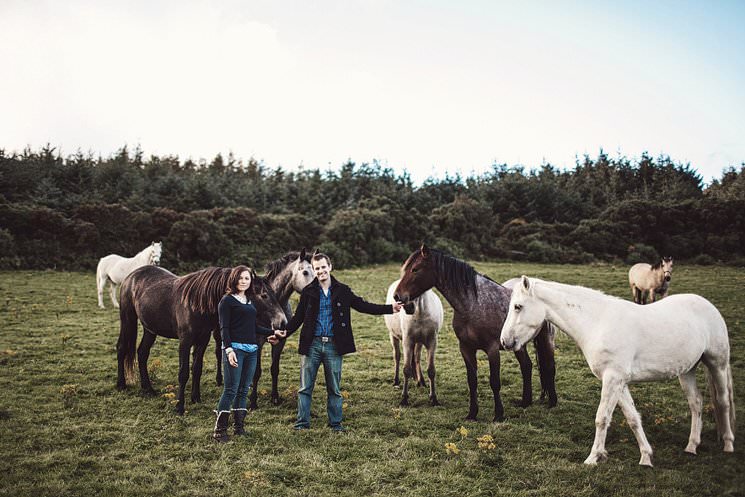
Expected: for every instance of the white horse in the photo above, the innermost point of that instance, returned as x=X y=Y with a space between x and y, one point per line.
x=625 y=343
x=114 y=268
x=416 y=327
x=647 y=281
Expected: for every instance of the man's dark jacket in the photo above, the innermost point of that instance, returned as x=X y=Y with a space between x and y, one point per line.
x=342 y=298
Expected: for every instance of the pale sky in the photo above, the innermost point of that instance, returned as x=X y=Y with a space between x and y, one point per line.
x=421 y=86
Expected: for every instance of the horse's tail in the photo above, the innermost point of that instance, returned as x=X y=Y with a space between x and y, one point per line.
x=100 y=276
x=127 y=334
x=731 y=395
x=544 y=347
x=715 y=393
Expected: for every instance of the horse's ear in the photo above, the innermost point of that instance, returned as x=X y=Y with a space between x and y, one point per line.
x=317 y=251
x=302 y=254
x=424 y=250
x=525 y=282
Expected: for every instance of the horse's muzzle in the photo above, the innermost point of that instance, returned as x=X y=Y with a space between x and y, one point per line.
x=510 y=345
x=409 y=308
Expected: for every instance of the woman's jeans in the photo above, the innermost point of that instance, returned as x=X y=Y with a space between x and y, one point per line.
x=320 y=353
x=237 y=381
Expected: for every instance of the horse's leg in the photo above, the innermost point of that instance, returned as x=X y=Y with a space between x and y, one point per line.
x=695 y=403
x=634 y=421
x=494 y=380
x=276 y=356
x=544 y=351
x=720 y=385
x=396 y=359
x=526 y=369
x=611 y=391
x=143 y=353
x=637 y=295
x=409 y=366
x=431 y=346
x=252 y=404
x=112 y=291
x=469 y=358
x=184 y=348
x=218 y=357
x=196 y=369
x=418 y=365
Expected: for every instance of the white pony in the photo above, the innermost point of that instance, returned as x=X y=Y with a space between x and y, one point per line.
x=647 y=281
x=114 y=268
x=416 y=327
x=625 y=343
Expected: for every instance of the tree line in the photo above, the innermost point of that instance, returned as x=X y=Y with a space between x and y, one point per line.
x=67 y=212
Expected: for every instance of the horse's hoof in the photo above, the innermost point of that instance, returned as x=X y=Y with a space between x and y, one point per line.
x=196 y=400
x=434 y=402
x=596 y=457
x=470 y=418
x=276 y=400
x=521 y=403
x=498 y=419
x=179 y=410
x=729 y=446
x=121 y=387
x=690 y=449
x=646 y=460
x=404 y=403
x=421 y=384
x=149 y=392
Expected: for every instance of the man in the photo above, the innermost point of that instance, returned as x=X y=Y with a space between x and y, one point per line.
x=326 y=337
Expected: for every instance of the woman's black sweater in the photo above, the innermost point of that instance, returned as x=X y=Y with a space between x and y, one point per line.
x=238 y=322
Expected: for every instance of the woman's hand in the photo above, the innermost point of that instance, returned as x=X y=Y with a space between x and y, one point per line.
x=274 y=339
x=232 y=358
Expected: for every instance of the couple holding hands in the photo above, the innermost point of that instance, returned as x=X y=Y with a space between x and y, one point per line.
x=326 y=336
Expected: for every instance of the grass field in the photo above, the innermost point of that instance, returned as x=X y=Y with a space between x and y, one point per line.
x=66 y=430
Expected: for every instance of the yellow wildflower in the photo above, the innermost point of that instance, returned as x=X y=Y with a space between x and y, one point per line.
x=486 y=442
x=451 y=448
x=462 y=431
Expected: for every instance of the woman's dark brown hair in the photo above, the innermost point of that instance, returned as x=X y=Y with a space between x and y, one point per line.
x=235 y=275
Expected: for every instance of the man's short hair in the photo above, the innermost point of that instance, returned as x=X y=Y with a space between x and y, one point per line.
x=320 y=255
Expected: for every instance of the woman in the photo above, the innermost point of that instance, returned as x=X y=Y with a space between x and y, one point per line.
x=239 y=342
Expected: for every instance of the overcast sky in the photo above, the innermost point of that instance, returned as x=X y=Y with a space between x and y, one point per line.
x=423 y=86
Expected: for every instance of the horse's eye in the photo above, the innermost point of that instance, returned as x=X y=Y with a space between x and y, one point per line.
x=518 y=307
x=414 y=270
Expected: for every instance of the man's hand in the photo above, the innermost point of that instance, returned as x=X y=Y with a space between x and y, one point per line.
x=397 y=306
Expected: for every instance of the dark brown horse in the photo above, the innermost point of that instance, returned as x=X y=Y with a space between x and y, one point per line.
x=290 y=273
x=179 y=307
x=480 y=306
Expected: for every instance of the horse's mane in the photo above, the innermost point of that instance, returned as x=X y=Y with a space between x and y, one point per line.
x=275 y=267
x=202 y=290
x=657 y=265
x=571 y=289
x=455 y=271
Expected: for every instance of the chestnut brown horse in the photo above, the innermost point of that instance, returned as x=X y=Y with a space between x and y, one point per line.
x=184 y=308
x=480 y=306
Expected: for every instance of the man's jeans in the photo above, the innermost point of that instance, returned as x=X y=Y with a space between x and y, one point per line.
x=237 y=380
x=320 y=353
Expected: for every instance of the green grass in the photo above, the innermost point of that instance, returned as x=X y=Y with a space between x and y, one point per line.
x=66 y=430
